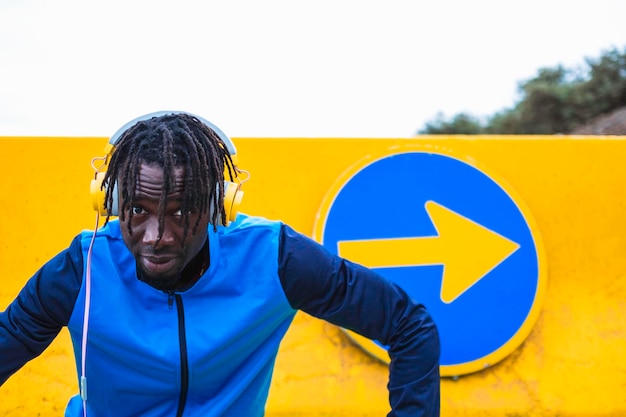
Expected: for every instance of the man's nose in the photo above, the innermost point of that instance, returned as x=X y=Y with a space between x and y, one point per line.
x=151 y=233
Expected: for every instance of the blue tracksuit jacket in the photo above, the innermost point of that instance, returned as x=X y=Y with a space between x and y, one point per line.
x=210 y=350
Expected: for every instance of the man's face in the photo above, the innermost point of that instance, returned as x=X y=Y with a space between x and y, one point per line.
x=161 y=261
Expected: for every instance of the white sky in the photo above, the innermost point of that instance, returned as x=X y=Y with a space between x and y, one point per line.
x=276 y=68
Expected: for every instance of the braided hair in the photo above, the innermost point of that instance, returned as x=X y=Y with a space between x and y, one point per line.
x=172 y=141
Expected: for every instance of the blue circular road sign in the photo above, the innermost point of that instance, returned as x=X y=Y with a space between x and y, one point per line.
x=454 y=238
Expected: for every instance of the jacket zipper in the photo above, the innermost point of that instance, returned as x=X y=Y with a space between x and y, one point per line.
x=184 y=366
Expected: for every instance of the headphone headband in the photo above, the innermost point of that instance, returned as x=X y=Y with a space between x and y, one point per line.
x=118 y=134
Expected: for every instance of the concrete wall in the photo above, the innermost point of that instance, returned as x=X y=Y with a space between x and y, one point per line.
x=572 y=362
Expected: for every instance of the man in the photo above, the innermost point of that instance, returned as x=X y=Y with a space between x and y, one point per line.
x=174 y=309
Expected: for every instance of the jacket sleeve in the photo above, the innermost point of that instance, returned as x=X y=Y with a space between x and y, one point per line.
x=356 y=298
x=32 y=321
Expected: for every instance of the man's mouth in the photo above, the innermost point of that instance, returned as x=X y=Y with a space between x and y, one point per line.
x=158 y=264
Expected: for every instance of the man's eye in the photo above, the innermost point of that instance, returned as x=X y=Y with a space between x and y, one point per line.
x=137 y=210
x=180 y=212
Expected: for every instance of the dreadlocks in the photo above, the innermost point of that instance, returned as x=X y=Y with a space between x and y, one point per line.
x=172 y=141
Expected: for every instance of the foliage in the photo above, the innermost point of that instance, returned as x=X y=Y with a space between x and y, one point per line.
x=462 y=122
x=557 y=100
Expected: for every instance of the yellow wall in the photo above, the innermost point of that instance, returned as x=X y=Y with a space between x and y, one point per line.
x=572 y=364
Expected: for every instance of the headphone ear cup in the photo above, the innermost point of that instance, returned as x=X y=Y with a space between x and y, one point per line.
x=233 y=194
x=98 y=196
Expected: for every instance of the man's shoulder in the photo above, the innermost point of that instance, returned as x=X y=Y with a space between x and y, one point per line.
x=247 y=222
x=109 y=231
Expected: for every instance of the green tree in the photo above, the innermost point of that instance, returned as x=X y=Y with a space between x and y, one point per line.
x=461 y=123
x=543 y=109
x=606 y=88
x=557 y=100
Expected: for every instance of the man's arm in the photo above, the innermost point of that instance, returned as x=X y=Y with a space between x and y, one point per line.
x=32 y=321
x=356 y=298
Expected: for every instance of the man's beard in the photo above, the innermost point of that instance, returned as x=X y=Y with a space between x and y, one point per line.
x=163 y=284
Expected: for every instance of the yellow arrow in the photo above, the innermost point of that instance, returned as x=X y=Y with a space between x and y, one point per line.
x=467 y=250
